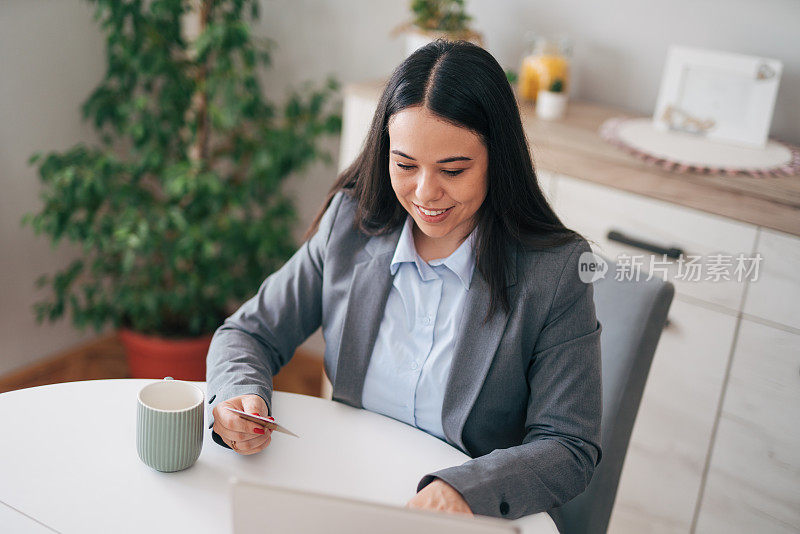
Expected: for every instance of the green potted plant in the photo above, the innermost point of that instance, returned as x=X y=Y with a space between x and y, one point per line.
x=179 y=213
x=435 y=19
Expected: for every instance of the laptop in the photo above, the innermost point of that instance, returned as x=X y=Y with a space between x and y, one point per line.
x=259 y=508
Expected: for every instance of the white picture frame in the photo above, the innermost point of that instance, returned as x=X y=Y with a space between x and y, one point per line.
x=720 y=96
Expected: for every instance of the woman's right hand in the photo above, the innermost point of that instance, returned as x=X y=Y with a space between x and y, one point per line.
x=243 y=436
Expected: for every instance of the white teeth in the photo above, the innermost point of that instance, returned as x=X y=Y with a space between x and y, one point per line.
x=431 y=213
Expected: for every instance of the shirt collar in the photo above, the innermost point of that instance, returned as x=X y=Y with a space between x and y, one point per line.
x=461 y=261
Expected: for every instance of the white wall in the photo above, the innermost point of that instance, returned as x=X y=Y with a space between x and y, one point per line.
x=349 y=39
x=51 y=56
x=621 y=45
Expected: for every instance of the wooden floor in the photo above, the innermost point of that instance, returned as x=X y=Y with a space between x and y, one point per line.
x=105 y=358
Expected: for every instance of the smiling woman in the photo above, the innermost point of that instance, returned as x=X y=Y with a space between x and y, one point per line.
x=451 y=95
x=448 y=295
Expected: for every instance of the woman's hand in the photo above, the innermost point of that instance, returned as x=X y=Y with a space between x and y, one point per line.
x=243 y=436
x=441 y=496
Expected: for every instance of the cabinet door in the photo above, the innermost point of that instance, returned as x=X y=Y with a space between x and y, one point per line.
x=753 y=482
x=662 y=473
x=775 y=295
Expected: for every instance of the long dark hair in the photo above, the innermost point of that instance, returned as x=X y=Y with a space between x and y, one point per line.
x=463 y=84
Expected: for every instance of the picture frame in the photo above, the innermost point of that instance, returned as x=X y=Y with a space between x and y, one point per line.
x=720 y=96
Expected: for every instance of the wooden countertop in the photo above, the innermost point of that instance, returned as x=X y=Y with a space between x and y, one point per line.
x=573 y=146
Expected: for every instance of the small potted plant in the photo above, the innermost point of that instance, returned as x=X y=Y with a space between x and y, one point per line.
x=437 y=19
x=551 y=103
x=180 y=213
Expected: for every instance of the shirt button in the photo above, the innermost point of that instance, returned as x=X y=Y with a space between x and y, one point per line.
x=414 y=366
x=426 y=320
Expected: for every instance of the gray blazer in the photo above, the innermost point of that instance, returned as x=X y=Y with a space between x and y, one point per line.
x=523 y=396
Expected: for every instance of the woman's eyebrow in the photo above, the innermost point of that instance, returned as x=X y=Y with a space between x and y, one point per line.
x=445 y=160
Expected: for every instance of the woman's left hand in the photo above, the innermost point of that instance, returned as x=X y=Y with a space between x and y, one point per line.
x=441 y=496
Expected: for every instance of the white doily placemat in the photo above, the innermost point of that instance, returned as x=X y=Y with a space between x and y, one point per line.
x=684 y=152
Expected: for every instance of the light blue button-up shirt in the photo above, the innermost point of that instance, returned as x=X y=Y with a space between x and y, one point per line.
x=410 y=362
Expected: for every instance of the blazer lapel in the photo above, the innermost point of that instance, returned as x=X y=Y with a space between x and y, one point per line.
x=369 y=291
x=473 y=353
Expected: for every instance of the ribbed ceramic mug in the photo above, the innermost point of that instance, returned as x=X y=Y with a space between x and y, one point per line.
x=169 y=424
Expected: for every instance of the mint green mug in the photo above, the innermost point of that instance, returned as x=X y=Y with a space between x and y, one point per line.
x=169 y=424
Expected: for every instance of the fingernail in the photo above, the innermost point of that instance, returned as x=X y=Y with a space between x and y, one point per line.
x=253 y=413
x=258 y=430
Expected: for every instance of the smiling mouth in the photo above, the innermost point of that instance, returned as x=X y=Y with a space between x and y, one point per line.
x=432 y=213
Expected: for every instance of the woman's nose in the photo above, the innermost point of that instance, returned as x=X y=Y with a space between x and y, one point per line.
x=427 y=187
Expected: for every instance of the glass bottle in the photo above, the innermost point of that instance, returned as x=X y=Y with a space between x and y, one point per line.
x=545 y=61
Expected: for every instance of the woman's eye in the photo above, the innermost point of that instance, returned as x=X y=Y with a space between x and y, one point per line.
x=449 y=173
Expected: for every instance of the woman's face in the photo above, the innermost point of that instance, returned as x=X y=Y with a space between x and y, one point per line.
x=438 y=173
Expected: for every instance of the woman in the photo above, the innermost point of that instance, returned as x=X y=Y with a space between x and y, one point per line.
x=448 y=294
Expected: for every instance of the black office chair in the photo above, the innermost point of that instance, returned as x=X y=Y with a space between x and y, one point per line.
x=633 y=314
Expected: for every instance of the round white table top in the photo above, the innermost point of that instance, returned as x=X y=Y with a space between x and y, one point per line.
x=68 y=460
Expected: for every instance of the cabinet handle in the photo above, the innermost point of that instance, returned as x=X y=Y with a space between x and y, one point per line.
x=671 y=252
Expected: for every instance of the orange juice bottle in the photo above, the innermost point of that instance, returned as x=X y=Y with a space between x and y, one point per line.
x=547 y=60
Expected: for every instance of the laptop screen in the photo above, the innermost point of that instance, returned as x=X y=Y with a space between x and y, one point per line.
x=259 y=508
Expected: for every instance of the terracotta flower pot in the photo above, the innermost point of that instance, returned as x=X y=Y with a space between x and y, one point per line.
x=157 y=357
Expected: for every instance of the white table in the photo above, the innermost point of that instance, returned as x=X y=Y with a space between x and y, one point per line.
x=68 y=461
x=12 y=520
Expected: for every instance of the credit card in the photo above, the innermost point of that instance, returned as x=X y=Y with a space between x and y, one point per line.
x=269 y=423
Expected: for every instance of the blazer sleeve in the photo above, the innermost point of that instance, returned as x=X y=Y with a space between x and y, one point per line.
x=261 y=336
x=561 y=448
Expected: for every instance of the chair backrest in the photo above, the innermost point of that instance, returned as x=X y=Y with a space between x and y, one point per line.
x=633 y=314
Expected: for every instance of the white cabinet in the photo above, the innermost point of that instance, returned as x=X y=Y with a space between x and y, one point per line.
x=670 y=482
x=663 y=470
x=357 y=112
x=753 y=482
x=547 y=183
